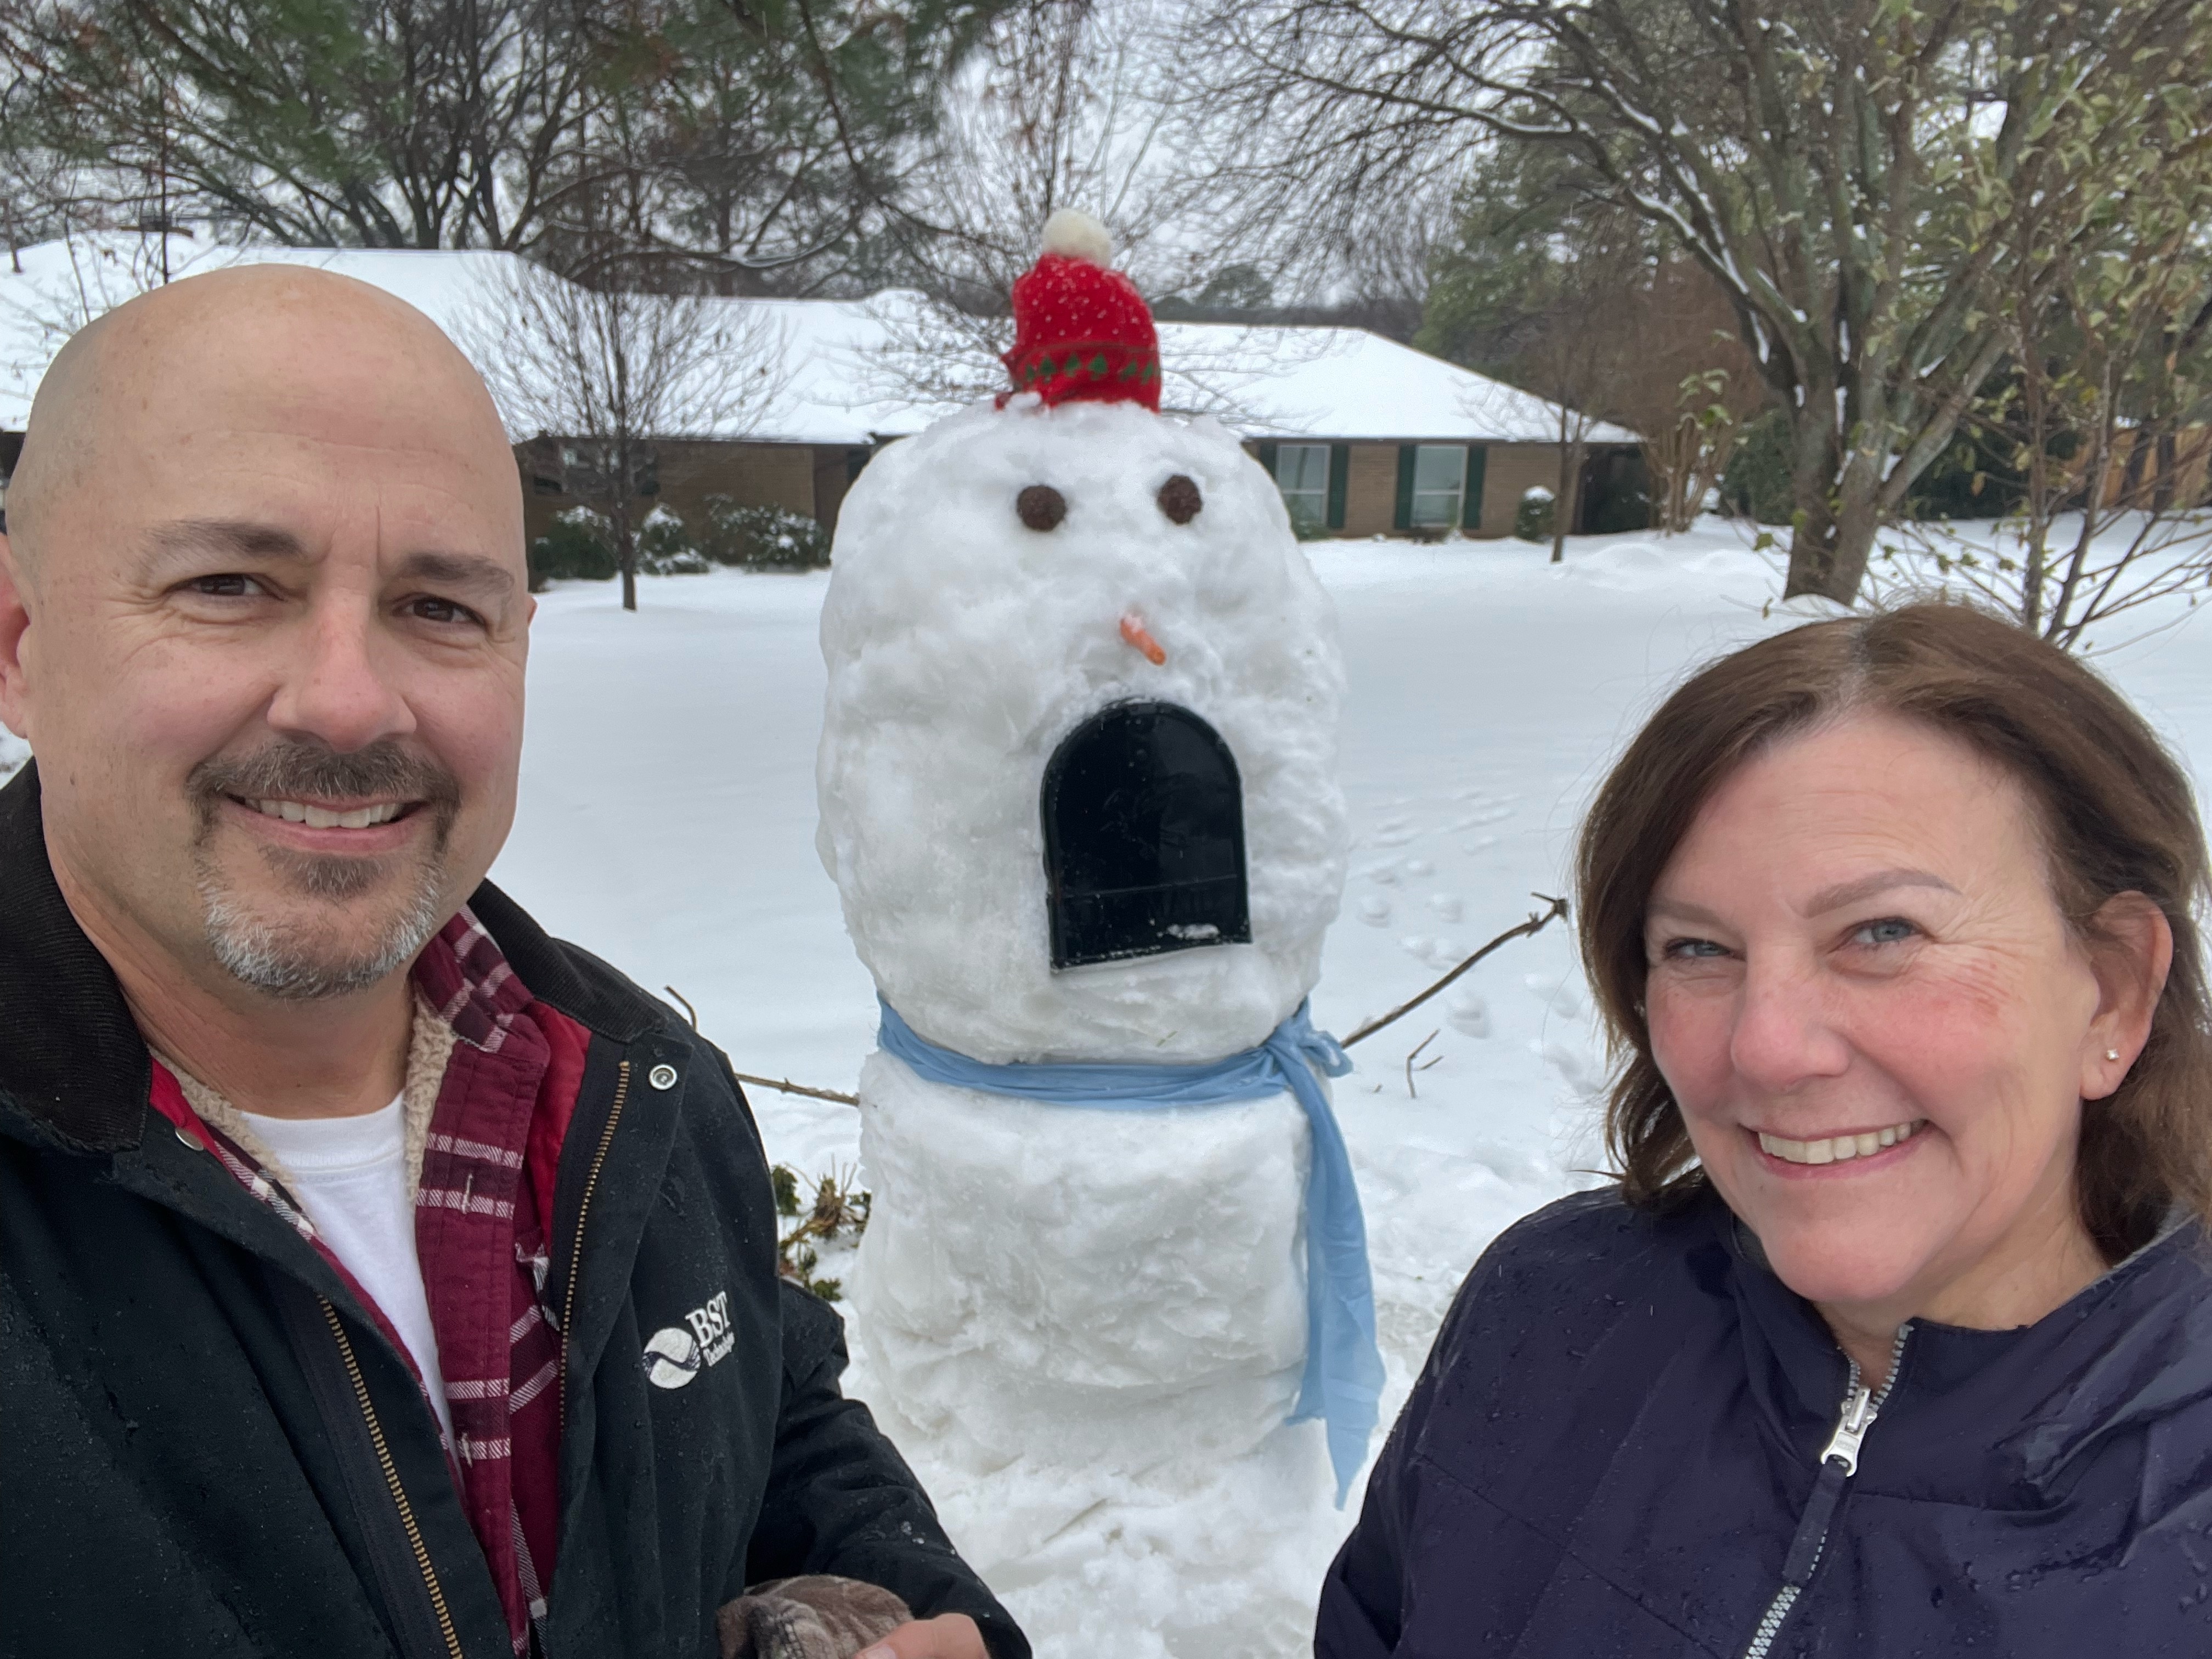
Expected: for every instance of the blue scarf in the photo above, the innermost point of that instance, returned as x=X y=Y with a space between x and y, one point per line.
x=1343 y=1379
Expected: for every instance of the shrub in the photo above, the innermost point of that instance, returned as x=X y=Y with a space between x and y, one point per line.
x=665 y=548
x=580 y=546
x=837 y=1210
x=762 y=537
x=1305 y=525
x=1532 y=520
x=1756 y=483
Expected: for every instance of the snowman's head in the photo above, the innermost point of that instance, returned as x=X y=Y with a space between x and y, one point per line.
x=1075 y=653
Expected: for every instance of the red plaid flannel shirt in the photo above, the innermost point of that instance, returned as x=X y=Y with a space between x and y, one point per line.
x=481 y=1216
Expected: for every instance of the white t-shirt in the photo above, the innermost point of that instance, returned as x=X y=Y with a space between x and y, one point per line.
x=350 y=1175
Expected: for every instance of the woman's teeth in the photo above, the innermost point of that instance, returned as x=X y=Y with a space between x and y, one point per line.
x=1838 y=1148
x=317 y=818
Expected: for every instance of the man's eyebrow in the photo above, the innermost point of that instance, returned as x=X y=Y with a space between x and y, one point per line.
x=464 y=570
x=240 y=538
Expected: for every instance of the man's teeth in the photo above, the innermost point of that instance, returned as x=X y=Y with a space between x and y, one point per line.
x=1838 y=1148
x=318 y=818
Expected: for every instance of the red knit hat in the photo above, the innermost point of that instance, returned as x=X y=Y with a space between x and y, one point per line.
x=1081 y=329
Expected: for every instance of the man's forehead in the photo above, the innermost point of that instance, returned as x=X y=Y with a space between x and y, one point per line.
x=252 y=397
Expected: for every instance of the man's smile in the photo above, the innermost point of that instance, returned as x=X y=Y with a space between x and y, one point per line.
x=328 y=825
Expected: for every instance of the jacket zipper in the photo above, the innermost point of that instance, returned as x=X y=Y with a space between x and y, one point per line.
x=583 y=1213
x=1839 y=1461
x=392 y=1480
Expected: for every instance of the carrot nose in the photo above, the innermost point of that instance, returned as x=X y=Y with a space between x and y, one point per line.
x=1136 y=634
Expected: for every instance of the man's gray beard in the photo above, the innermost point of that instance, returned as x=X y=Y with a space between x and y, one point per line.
x=293 y=962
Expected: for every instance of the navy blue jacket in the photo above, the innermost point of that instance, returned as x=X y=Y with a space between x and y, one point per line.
x=1618 y=1434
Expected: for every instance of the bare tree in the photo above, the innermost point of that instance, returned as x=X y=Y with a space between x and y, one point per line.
x=1857 y=176
x=750 y=147
x=1063 y=106
x=2105 y=417
x=609 y=375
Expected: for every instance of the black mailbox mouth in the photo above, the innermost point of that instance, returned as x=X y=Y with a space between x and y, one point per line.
x=1144 y=837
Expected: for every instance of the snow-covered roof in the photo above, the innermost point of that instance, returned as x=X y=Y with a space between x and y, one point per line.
x=851 y=371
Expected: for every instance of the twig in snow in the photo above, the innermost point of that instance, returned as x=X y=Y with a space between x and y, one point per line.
x=784 y=1084
x=790 y=1088
x=1536 y=923
x=1412 y=1093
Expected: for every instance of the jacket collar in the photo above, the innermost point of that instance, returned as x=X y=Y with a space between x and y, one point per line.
x=72 y=1059
x=1990 y=1416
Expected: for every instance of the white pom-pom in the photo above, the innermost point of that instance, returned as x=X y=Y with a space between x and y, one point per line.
x=1077 y=236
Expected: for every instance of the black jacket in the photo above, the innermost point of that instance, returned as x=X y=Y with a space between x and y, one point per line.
x=1612 y=1452
x=206 y=1447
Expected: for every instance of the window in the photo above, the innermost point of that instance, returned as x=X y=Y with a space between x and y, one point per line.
x=1301 y=474
x=1439 y=476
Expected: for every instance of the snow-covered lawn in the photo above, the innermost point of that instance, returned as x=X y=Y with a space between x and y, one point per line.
x=668 y=811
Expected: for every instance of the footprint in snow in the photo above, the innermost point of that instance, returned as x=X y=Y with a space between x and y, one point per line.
x=1375 y=910
x=1561 y=995
x=1419 y=867
x=1575 y=1068
x=1447 y=906
x=1469 y=1015
x=1488 y=815
x=1386 y=874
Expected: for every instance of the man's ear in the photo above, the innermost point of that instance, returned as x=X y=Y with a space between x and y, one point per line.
x=15 y=624
x=2130 y=951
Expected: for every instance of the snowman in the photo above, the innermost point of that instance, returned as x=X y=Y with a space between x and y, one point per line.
x=1078 y=794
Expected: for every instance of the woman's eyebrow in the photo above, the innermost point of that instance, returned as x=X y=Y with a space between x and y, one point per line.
x=1680 y=910
x=1865 y=887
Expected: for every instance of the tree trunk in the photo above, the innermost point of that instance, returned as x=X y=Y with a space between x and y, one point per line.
x=1814 y=547
x=625 y=549
x=1563 y=503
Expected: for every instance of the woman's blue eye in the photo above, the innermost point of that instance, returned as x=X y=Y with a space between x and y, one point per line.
x=1694 y=947
x=1889 y=931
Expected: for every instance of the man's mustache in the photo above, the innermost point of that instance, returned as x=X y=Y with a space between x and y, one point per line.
x=292 y=769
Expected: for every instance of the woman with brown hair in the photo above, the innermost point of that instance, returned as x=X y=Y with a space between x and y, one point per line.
x=1894 y=1332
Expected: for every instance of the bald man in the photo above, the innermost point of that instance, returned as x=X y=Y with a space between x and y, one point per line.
x=377 y=1275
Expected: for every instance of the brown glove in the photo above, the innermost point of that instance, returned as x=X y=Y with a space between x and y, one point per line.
x=816 y=1617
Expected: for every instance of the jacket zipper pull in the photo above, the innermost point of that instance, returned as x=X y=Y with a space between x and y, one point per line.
x=1852 y=1427
x=1839 y=1461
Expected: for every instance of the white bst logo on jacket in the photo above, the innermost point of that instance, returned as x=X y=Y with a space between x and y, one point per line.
x=676 y=1353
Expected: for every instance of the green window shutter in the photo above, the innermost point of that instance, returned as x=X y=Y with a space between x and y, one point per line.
x=1340 y=468
x=1403 y=518
x=1470 y=511
x=1267 y=458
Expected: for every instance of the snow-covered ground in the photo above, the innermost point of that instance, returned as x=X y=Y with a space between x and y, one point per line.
x=668 y=812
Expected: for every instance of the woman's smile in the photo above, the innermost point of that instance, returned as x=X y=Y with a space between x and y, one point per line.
x=1847 y=1151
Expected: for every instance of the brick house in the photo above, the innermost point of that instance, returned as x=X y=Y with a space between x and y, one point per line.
x=1365 y=436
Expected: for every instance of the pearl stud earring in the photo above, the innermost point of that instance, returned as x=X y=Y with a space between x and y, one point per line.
x=2112 y=1053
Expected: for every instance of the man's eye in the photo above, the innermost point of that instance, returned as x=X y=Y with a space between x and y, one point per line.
x=230 y=585
x=435 y=610
x=1890 y=930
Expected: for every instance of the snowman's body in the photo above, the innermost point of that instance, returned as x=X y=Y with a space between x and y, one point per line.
x=1087 y=1327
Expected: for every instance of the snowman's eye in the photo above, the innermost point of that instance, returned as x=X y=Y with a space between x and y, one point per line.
x=1180 y=499
x=1041 y=507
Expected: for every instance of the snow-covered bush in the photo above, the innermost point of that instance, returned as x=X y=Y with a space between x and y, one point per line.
x=1304 y=525
x=1532 y=520
x=762 y=537
x=580 y=544
x=665 y=547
